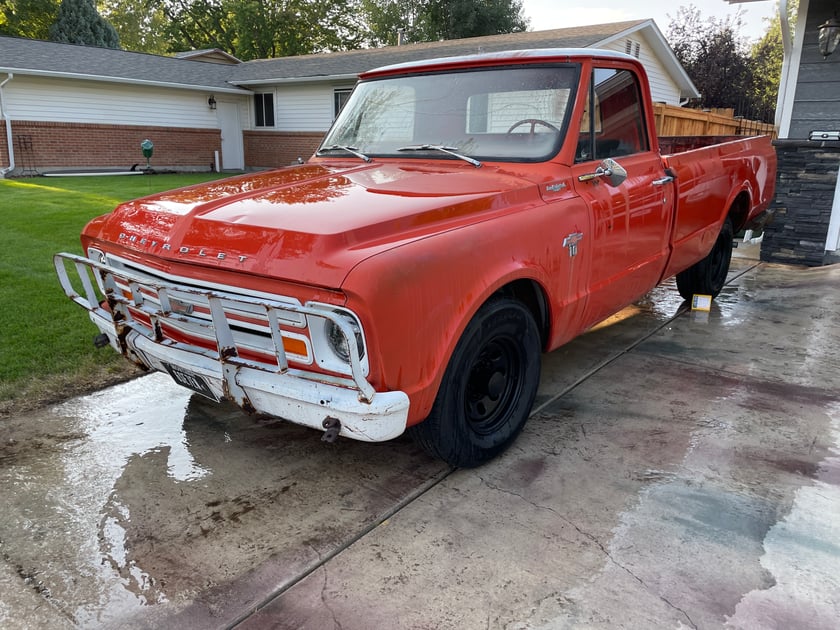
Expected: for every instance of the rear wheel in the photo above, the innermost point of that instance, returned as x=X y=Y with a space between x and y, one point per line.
x=708 y=276
x=488 y=388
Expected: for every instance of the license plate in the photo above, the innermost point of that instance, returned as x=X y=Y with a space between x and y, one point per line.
x=192 y=381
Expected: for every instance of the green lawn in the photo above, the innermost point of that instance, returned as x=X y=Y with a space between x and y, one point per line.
x=46 y=349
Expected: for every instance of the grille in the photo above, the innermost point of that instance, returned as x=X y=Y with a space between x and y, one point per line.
x=182 y=311
x=256 y=330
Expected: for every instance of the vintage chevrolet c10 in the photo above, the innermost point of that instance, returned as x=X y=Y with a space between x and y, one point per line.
x=461 y=217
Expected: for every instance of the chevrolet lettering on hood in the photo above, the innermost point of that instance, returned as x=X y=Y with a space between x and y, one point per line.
x=200 y=252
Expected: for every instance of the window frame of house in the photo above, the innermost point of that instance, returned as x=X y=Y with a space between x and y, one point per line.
x=264 y=116
x=340 y=97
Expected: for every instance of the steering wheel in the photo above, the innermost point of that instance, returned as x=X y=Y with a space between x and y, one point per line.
x=533 y=122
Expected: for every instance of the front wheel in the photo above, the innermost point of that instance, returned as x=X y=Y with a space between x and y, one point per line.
x=708 y=276
x=488 y=388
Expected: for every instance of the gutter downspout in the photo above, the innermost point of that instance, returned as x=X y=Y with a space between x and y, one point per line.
x=8 y=119
x=787 y=49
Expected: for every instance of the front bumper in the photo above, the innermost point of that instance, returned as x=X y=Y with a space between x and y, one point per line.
x=304 y=397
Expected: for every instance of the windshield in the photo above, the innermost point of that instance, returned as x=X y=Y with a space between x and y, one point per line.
x=503 y=114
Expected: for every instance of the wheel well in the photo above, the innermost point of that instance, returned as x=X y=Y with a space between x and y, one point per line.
x=739 y=211
x=531 y=294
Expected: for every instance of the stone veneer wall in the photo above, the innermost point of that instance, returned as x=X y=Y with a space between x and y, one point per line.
x=805 y=185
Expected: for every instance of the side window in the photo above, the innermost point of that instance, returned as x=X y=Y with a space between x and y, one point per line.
x=264 y=110
x=615 y=126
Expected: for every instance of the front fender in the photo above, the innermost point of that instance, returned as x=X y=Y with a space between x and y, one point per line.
x=415 y=300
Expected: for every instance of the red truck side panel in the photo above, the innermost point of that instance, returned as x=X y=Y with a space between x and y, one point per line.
x=708 y=181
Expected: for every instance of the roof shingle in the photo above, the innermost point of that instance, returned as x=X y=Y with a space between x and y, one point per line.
x=354 y=62
x=26 y=56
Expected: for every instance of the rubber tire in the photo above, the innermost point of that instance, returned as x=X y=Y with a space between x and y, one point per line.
x=478 y=411
x=708 y=276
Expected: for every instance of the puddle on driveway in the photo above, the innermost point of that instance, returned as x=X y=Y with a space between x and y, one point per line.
x=58 y=485
x=130 y=502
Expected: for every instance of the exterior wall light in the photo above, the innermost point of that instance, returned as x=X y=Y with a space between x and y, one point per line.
x=211 y=102
x=829 y=36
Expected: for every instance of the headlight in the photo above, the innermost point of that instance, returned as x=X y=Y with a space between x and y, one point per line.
x=329 y=344
x=338 y=342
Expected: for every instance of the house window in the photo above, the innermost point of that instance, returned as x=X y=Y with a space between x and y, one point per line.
x=340 y=97
x=264 y=109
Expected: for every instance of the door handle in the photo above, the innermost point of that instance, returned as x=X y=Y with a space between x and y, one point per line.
x=665 y=180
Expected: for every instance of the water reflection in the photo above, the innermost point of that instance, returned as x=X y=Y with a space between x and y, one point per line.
x=119 y=426
x=64 y=524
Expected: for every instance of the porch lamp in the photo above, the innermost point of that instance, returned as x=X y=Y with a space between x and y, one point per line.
x=211 y=102
x=829 y=36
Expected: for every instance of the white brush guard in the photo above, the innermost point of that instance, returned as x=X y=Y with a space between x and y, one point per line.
x=301 y=396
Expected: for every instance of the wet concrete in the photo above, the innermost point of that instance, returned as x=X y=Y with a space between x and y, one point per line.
x=680 y=470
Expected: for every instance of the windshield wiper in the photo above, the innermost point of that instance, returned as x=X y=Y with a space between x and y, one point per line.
x=443 y=149
x=342 y=147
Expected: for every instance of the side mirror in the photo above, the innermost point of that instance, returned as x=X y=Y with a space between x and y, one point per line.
x=610 y=169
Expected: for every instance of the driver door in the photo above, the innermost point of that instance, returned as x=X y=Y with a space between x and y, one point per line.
x=631 y=222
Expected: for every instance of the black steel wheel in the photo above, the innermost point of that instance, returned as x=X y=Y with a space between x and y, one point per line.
x=708 y=276
x=488 y=388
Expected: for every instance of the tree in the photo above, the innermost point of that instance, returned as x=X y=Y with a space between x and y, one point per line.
x=251 y=29
x=713 y=55
x=78 y=22
x=140 y=25
x=27 y=18
x=292 y=27
x=432 y=20
x=257 y=29
x=767 y=55
x=727 y=71
x=456 y=19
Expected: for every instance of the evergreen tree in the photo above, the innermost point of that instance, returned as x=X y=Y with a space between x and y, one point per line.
x=79 y=22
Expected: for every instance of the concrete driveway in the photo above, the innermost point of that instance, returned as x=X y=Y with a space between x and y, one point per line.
x=680 y=470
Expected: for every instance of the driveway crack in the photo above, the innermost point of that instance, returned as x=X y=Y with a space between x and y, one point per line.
x=594 y=540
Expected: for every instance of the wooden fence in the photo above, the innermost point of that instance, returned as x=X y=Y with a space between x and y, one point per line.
x=682 y=121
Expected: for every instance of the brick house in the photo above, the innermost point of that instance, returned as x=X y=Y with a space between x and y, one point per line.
x=70 y=107
x=66 y=106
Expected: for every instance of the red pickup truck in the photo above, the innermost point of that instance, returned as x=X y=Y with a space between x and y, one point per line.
x=461 y=217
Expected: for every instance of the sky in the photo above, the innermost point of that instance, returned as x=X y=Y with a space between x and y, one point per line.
x=548 y=14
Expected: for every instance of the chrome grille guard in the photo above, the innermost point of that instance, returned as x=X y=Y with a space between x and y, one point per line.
x=154 y=298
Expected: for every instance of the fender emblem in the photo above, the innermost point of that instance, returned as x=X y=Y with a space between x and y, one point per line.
x=571 y=241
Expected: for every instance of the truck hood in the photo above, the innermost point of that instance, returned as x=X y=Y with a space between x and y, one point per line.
x=310 y=223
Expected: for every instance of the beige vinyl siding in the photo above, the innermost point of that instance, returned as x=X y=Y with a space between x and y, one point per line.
x=662 y=88
x=68 y=100
x=304 y=107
